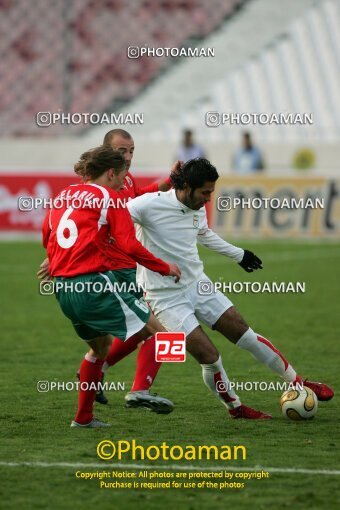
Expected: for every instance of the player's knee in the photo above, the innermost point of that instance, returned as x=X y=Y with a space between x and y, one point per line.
x=145 y=333
x=231 y=324
x=140 y=336
x=102 y=352
x=101 y=349
x=151 y=328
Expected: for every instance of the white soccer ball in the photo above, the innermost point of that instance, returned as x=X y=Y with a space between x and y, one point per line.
x=299 y=404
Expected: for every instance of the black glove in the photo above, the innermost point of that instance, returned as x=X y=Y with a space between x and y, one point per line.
x=250 y=262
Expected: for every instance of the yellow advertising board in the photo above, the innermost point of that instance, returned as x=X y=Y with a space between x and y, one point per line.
x=277 y=207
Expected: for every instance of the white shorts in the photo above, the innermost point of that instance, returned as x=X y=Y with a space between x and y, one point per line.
x=181 y=310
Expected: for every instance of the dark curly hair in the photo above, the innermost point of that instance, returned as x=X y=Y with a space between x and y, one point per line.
x=194 y=173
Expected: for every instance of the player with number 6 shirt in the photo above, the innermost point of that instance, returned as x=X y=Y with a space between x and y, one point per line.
x=147 y=366
x=77 y=236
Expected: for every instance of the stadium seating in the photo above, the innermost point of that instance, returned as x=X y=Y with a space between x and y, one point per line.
x=289 y=64
x=72 y=55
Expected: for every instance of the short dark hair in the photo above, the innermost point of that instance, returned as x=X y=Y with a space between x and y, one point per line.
x=194 y=173
x=94 y=162
x=110 y=134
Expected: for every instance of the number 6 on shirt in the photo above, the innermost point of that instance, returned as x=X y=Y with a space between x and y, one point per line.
x=67 y=224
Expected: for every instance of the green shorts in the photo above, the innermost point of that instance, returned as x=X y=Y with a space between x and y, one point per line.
x=127 y=277
x=95 y=306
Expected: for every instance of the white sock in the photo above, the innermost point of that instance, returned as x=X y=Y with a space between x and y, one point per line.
x=264 y=351
x=217 y=381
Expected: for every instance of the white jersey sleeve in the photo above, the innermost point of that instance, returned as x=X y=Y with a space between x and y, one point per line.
x=211 y=240
x=170 y=230
x=138 y=206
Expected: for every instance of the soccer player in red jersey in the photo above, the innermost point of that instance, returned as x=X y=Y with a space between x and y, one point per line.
x=77 y=235
x=147 y=366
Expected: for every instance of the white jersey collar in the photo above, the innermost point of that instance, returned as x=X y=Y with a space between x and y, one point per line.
x=180 y=204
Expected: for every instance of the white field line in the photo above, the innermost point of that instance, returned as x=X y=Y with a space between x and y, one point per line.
x=102 y=465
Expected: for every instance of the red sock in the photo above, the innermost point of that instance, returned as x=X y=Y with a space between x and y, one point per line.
x=147 y=366
x=119 y=350
x=90 y=372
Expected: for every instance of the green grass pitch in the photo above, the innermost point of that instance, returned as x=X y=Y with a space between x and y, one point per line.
x=38 y=343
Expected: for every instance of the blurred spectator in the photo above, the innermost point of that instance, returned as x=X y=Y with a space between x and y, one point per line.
x=189 y=149
x=249 y=158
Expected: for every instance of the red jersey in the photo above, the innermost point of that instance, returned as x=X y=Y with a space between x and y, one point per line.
x=86 y=220
x=123 y=260
x=131 y=190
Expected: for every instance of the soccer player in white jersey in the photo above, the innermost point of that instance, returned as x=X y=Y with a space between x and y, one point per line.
x=170 y=225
